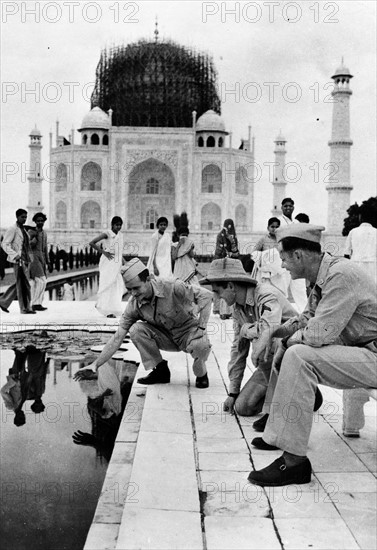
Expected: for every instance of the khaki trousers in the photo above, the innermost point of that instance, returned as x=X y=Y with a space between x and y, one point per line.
x=149 y=340
x=303 y=367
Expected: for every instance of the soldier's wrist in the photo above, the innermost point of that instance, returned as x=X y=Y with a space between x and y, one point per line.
x=234 y=395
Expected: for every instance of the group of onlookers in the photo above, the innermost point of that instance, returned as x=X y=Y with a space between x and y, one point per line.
x=26 y=249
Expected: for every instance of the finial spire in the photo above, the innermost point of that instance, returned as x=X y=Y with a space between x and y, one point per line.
x=156 y=33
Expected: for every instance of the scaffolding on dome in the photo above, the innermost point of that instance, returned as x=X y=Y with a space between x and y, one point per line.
x=155 y=84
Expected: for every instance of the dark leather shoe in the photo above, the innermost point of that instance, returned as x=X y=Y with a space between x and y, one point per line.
x=278 y=474
x=39 y=308
x=260 y=424
x=4 y=309
x=318 y=400
x=202 y=381
x=159 y=375
x=260 y=443
x=355 y=435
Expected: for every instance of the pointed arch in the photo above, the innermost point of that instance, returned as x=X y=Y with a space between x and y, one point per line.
x=211 y=179
x=90 y=215
x=61 y=215
x=61 y=179
x=241 y=217
x=91 y=177
x=241 y=181
x=94 y=140
x=151 y=185
x=210 y=217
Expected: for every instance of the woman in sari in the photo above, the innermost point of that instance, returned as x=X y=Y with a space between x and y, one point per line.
x=183 y=252
x=226 y=247
x=111 y=286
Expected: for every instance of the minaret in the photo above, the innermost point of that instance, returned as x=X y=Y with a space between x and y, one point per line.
x=35 y=179
x=279 y=182
x=339 y=186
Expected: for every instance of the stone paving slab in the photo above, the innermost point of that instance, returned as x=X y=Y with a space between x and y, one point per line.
x=358 y=510
x=164 y=472
x=210 y=445
x=316 y=534
x=159 y=530
x=238 y=533
x=168 y=398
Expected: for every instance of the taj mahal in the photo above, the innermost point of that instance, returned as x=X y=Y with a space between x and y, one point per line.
x=154 y=143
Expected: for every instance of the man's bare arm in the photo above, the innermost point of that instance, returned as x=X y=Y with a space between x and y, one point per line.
x=110 y=348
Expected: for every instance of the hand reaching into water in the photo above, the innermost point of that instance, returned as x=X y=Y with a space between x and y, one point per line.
x=82 y=438
x=86 y=373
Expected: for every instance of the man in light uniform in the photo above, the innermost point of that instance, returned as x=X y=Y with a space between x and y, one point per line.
x=333 y=342
x=257 y=310
x=159 y=316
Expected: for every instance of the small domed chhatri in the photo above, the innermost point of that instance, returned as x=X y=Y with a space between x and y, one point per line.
x=96 y=118
x=210 y=122
x=342 y=71
x=35 y=132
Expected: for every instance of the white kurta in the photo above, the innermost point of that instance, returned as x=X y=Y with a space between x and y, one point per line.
x=361 y=246
x=111 y=286
x=296 y=286
x=161 y=255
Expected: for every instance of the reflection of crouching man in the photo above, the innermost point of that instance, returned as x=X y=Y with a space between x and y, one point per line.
x=159 y=316
x=257 y=310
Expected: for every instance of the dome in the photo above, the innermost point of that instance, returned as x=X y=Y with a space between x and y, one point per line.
x=342 y=71
x=35 y=132
x=210 y=122
x=155 y=84
x=96 y=118
x=280 y=137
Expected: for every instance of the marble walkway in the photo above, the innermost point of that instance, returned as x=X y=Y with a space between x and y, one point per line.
x=178 y=474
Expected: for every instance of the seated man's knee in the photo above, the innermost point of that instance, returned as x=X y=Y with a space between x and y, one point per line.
x=244 y=406
x=299 y=351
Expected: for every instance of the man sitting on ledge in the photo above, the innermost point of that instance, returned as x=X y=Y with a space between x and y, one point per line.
x=159 y=316
x=333 y=342
x=257 y=310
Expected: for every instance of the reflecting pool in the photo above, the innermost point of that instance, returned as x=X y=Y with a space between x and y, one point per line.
x=57 y=435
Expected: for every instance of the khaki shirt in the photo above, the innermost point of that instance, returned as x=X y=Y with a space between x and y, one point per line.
x=170 y=309
x=341 y=309
x=264 y=310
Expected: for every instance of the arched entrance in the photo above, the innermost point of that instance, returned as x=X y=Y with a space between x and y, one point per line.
x=151 y=188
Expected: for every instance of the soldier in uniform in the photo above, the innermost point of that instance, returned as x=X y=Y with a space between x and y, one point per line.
x=257 y=310
x=333 y=342
x=165 y=308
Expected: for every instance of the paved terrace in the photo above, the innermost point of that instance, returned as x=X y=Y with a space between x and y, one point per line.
x=178 y=474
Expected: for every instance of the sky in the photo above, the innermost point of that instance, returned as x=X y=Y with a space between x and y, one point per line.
x=274 y=62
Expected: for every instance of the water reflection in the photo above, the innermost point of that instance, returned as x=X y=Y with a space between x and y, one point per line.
x=107 y=392
x=82 y=289
x=26 y=380
x=53 y=467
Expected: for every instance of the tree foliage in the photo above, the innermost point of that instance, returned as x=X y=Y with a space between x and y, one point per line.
x=353 y=218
